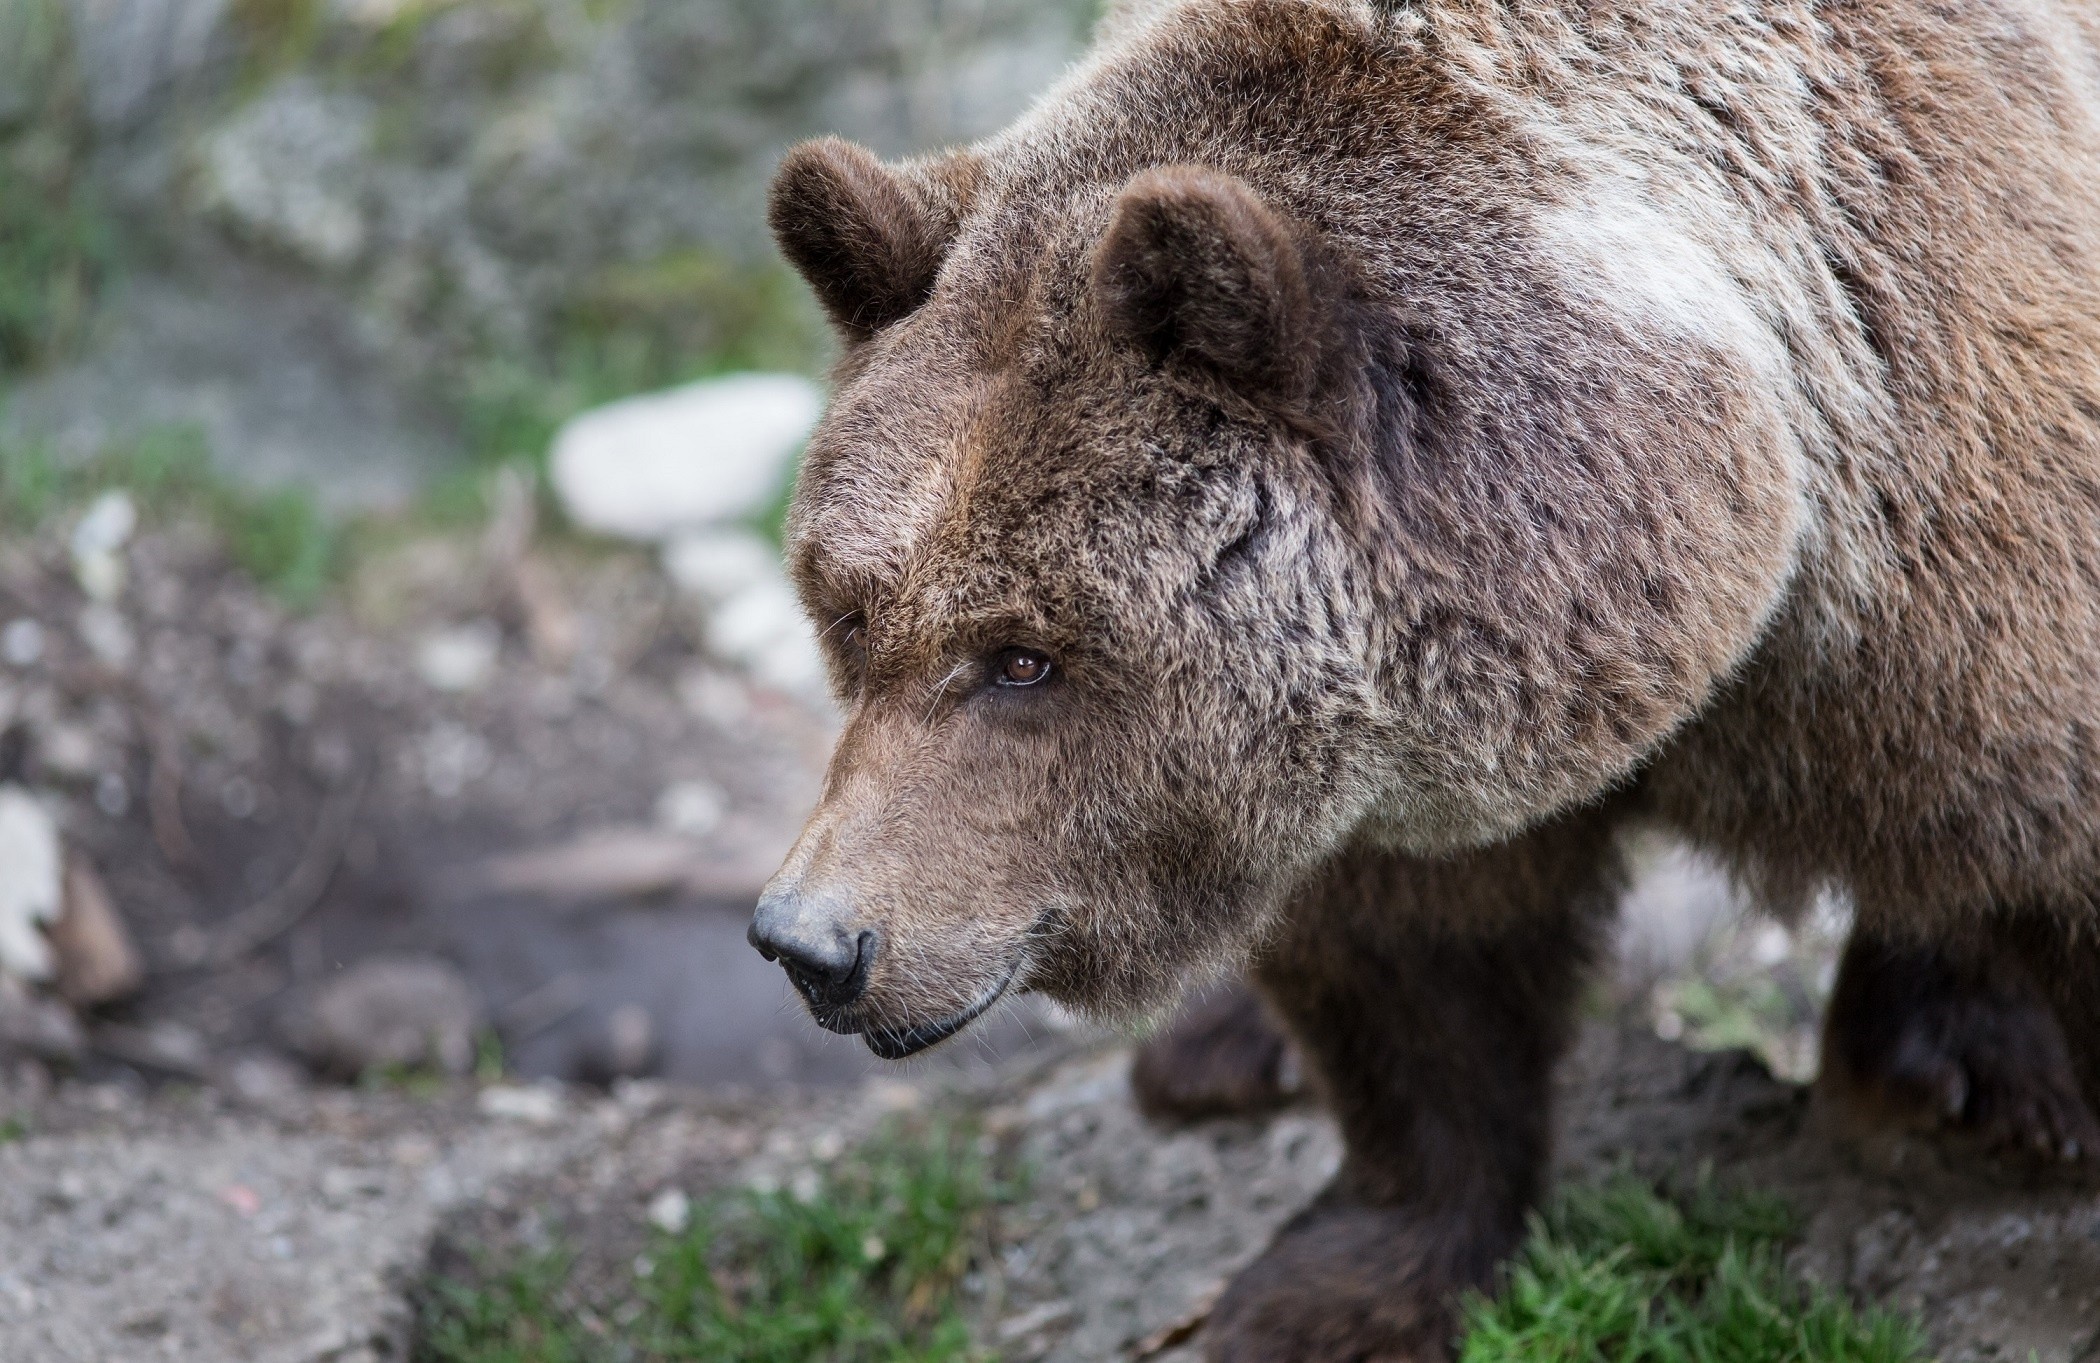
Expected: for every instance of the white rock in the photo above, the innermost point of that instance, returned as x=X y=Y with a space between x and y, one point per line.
x=692 y=808
x=763 y=630
x=98 y=544
x=462 y=658
x=752 y=616
x=708 y=453
x=517 y=1102
x=453 y=757
x=22 y=642
x=70 y=750
x=107 y=633
x=722 y=562
x=671 y=1211
x=791 y=663
x=31 y=883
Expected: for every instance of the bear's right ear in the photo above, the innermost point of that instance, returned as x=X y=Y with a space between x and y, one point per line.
x=867 y=237
x=1197 y=268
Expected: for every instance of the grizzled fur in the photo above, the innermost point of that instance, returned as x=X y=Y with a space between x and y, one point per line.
x=1422 y=436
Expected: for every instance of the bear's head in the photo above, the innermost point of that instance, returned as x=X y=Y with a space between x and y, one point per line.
x=1205 y=490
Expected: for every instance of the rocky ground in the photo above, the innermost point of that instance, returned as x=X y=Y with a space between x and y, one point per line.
x=1132 y=1230
x=193 y=1225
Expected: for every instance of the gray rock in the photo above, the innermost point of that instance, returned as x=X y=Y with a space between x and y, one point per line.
x=403 y=1010
x=266 y=367
x=288 y=172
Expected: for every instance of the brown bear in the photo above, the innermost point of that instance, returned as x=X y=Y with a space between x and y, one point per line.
x=1290 y=498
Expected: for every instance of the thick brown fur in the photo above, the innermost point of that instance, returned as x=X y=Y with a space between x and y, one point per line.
x=1419 y=436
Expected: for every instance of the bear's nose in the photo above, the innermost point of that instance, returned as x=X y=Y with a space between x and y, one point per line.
x=814 y=940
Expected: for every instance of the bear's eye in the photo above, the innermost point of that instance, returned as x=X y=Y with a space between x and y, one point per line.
x=848 y=638
x=1021 y=667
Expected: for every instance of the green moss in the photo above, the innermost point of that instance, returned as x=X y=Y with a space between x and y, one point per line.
x=416 y=1081
x=512 y=41
x=695 y=310
x=277 y=35
x=35 y=65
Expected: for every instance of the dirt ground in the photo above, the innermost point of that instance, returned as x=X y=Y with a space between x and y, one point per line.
x=194 y=1225
x=1133 y=1229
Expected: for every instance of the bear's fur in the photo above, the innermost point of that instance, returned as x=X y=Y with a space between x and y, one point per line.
x=1419 y=437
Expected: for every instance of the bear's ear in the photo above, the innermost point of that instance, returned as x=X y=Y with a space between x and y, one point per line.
x=1196 y=267
x=868 y=237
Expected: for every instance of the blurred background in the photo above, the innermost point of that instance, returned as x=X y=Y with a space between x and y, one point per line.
x=378 y=691
x=398 y=400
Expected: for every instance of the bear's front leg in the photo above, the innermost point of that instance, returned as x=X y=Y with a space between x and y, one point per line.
x=1431 y=1000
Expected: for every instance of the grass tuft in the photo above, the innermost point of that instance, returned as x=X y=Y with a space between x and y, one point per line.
x=514 y=1315
x=860 y=1263
x=1622 y=1274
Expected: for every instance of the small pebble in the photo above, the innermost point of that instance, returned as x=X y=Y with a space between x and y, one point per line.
x=22 y=643
x=671 y=1211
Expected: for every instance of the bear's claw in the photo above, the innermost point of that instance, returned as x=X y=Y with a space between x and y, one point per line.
x=1914 y=1044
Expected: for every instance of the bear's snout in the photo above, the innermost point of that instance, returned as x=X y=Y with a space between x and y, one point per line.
x=816 y=940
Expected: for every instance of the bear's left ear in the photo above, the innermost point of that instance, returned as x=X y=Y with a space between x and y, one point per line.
x=1197 y=268
x=869 y=237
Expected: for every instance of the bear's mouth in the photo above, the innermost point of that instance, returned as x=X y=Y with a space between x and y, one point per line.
x=891 y=1043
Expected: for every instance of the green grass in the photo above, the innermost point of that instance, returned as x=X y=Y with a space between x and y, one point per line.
x=280 y=536
x=862 y=1267
x=55 y=249
x=515 y=1316
x=634 y=328
x=1620 y=1274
